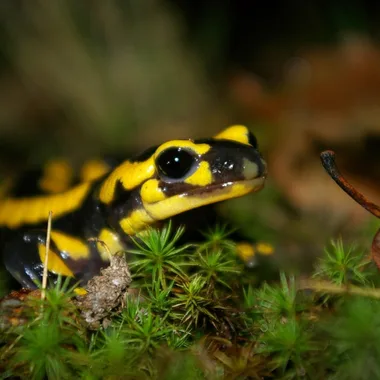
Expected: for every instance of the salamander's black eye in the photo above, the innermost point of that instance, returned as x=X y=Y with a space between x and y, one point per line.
x=252 y=140
x=175 y=163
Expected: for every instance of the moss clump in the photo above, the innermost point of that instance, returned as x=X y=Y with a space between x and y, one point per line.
x=195 y=312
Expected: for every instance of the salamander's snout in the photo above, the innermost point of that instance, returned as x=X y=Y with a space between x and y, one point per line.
x=231 y=162
x=252 y=169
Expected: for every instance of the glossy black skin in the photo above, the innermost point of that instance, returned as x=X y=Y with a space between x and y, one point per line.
x=21 y=257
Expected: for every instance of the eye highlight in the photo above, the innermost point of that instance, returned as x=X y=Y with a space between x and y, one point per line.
x=175 y=163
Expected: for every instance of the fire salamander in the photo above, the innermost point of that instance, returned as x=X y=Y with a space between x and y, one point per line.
x=112 y=204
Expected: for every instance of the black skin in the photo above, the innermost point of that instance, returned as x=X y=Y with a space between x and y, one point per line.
x=19 y=247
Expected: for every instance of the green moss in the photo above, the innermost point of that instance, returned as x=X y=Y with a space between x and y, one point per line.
x=199 y=314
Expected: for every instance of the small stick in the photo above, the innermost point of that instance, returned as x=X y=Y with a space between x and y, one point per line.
x=328 y=287
x=105 y=246
x=328 y=162
x=47 y=248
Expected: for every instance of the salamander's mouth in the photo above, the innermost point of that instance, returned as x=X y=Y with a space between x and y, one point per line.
x=255 y=185
x=198 y=197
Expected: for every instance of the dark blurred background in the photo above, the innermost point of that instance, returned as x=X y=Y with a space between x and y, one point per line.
x=84 y=78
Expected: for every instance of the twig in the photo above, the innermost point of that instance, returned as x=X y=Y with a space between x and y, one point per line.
x=328 y=287
x=10 y=347
x=328 y=162
x=47 y=248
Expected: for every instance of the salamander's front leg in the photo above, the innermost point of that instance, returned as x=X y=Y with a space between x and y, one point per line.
x=24 y=255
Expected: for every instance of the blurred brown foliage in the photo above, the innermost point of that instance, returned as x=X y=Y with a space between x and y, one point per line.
x=86 y=76
x=328 y=98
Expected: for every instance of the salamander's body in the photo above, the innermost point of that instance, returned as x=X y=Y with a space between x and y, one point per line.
x=112 y=204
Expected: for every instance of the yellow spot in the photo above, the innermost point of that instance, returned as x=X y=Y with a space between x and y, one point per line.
x=111 y=240
x=57 y=177
x=202 y=176
x=72 y=247
x=238 y=133
x=138 y=220
x=130 y=175
x=197 y=148
x=151 y=192
x=245 y=251
x=93 y=169
x=15 y=212
x=264 y=249
x=80 y=291
x=55 y=263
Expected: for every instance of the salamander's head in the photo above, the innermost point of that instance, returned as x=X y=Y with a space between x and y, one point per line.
x=181 y=175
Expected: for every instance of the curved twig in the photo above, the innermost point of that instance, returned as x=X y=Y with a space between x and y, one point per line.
x=328 y=162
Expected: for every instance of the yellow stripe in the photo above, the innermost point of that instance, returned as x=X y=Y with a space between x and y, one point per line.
x=93 y=169
x=138 y=220
x=130 y=175
x=71 y=246
x=57 y=177
x=55 y=263
x=15 y=212
x=239 y=133
x=111 y=240
x=197 y=148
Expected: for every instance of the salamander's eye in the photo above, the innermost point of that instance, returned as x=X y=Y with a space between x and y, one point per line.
x=175 y=163
x=252 y=140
